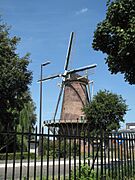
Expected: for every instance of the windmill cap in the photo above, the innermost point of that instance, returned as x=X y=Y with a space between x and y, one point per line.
x=77 y=77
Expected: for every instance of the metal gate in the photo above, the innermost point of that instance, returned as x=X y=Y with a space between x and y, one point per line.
x=70 y=155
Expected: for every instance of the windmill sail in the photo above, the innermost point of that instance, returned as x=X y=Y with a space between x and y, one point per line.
x=58 y=101
x=82 y=68
x=50 y=77
x=69 y=51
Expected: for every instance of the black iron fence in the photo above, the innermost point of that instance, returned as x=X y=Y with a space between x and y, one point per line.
x=55 y=155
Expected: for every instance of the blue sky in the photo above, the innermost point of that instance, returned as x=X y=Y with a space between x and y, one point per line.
x=44 y=27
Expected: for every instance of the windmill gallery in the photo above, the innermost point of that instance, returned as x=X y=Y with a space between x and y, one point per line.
x=75 y=94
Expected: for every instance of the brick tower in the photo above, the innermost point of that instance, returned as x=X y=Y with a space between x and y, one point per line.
x=74 y=98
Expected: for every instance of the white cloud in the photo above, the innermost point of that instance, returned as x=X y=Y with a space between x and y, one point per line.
x=82 y=11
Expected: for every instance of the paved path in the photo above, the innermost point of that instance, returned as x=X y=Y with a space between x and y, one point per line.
x=63 y=167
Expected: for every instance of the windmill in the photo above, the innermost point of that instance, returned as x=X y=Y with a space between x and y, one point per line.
x=75 y=88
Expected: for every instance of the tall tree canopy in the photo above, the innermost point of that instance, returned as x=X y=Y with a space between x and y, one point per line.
x=15 y=79
x=106 y=111
x=115 y=36
x=27 y=118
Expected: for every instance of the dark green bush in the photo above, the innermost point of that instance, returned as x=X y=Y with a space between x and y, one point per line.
x=17 y=156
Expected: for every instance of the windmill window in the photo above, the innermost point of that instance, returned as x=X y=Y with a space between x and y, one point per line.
x=82 y=118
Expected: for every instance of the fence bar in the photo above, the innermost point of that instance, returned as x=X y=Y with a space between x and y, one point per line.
x=41 y=153
x=101 y=149
x=127 y=156
x=115 y=153
x=79 y=134
x=93 y=147
x=105 y=154
x=112 y=144
x=48 y=146
x=121 y=154
x=53 y=170
x=14 y=150
x=64 y=157
x=119 y=158
x=109 y=153
x=28 y=162
x=133 y=153
x=74 y=154
x=84 y=148
x=124 y=154
x=59 y=150
x=6 y=160
x=97 y=147
x=130 y=159
x=22 y=139
x=35 y=155
x=70 y=157
x=88 y=147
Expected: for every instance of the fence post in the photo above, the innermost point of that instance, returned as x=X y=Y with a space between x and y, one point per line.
x=101 y=141
x=14 y=151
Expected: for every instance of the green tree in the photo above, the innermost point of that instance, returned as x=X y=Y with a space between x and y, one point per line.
x=115 y=36
x=15 y=79
x=27 y=117
x=106 y=111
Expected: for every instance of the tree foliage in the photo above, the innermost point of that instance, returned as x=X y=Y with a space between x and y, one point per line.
x=115 y=36
x=15 y=79
x=27 y=117
x=106 y=111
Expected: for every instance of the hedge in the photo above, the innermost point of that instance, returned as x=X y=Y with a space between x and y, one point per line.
x=17 y=155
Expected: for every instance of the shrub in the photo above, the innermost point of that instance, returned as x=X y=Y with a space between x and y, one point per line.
x=17 y=156
x=85 y=173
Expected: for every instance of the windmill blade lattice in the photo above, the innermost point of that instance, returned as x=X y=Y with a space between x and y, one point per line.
x=50 y=77
x=58 y=101
x=69 y=51
x=82 y=69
